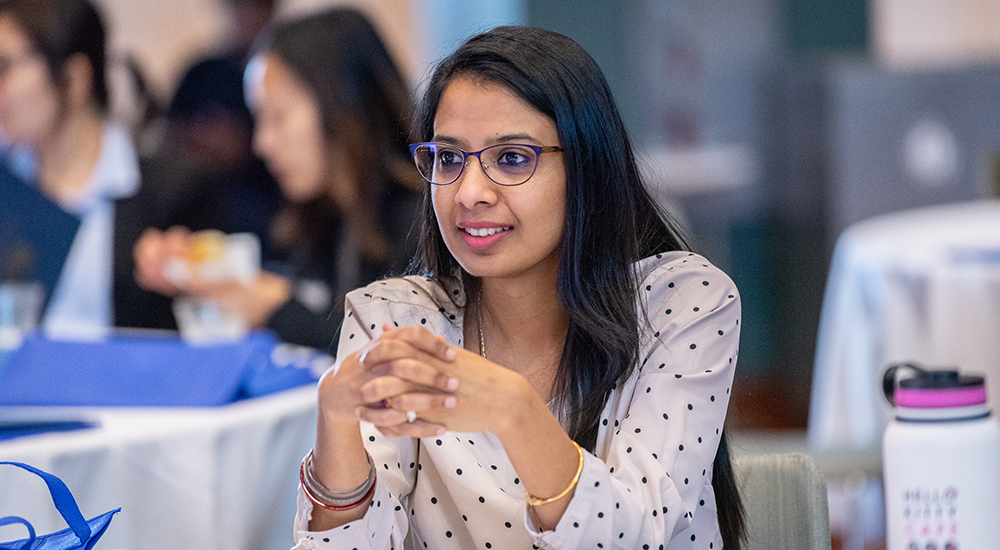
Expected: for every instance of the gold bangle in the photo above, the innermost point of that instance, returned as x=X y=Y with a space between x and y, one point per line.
x=535 y=501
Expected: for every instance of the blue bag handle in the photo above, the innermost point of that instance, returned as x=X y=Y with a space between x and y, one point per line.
x=31 y=530
x=63 y=500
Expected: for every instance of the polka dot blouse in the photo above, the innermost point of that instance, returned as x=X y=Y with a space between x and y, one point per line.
x=646 y=486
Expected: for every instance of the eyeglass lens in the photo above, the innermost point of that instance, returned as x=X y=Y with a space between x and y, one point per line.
x=505 y=164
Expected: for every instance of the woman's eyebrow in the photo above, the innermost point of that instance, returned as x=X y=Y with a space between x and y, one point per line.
x=506 y=138
x=447 y=140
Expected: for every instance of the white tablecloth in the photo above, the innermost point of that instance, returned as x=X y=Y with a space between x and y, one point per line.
x=186 y=479
x=921 y=285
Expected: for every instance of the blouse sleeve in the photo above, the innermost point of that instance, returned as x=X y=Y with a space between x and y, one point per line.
x=649 y=481
x=384 y=525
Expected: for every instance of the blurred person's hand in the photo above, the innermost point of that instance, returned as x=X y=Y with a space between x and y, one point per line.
x=257 y=299
x=154 y=252
x=162 y=260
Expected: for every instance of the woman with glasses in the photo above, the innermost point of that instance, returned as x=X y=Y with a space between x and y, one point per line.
x=331 y=110
x=556 y=372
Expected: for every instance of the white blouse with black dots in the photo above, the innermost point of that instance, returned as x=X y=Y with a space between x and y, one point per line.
x=646 y=486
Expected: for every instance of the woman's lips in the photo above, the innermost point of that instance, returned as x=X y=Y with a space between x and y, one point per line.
x=481 y=236
x=485 y=232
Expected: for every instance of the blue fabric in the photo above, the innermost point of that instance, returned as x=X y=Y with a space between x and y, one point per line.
x=65 y=539
x=81 y=534
x=145 y=372
x=289 y=366
x=10 y=520
x=11 y=431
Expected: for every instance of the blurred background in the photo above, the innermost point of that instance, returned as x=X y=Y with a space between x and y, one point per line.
x=770 y=125
x=767 y=126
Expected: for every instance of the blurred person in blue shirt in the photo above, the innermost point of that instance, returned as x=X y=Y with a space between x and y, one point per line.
x=54 y=109
x=54 y=104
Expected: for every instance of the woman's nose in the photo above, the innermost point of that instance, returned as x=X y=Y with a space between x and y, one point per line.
x=474 y=186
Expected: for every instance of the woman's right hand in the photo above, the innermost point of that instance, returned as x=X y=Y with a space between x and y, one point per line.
x=340 y=390
x=339 y=459
x=339 y=395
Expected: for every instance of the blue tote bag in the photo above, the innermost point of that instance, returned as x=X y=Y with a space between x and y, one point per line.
x=82 y=533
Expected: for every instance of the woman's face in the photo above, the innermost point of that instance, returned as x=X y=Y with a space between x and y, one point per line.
x=288 y=133
x=494 y=230
x=29 y=99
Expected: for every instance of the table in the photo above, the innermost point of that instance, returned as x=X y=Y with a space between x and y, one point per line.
x=191 y=478
x=921 y=285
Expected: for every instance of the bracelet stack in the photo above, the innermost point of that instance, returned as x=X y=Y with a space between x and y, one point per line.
x=337 y=501
x=535 y=501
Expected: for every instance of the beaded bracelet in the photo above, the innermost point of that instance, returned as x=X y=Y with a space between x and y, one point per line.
x=335 y=500
x=535 y=501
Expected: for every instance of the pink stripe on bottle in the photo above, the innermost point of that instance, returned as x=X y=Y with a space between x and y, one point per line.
x=923 y=398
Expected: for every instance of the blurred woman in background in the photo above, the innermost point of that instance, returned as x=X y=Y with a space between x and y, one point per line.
x=331 y=112
x=54 y=104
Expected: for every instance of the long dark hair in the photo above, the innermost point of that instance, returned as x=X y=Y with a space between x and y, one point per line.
x=59 y=29
x=365 y=106
x=597 y=284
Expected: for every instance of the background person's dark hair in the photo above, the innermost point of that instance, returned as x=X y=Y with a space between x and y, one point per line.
x=59 y=29
x=365 y=107
x=597 y=283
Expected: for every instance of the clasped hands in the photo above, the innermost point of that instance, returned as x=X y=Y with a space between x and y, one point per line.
x=410 y=370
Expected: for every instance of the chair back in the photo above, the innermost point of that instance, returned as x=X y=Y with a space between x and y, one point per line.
x=785 y=501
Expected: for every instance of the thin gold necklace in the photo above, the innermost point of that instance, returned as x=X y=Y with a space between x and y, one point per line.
x=482 y=341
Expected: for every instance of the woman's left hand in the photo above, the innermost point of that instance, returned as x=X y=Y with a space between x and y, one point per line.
x=484 y=395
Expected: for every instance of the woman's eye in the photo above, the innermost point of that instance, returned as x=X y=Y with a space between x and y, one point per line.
x=448 y=158
x=513 y=158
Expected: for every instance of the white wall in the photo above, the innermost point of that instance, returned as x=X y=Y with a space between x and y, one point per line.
x=165 y=36
x=925 y=33
x=168 y=35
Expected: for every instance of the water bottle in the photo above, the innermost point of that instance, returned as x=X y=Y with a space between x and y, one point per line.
x=941 y=462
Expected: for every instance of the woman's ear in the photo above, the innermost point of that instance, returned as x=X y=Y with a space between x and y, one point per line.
x=78 y=80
